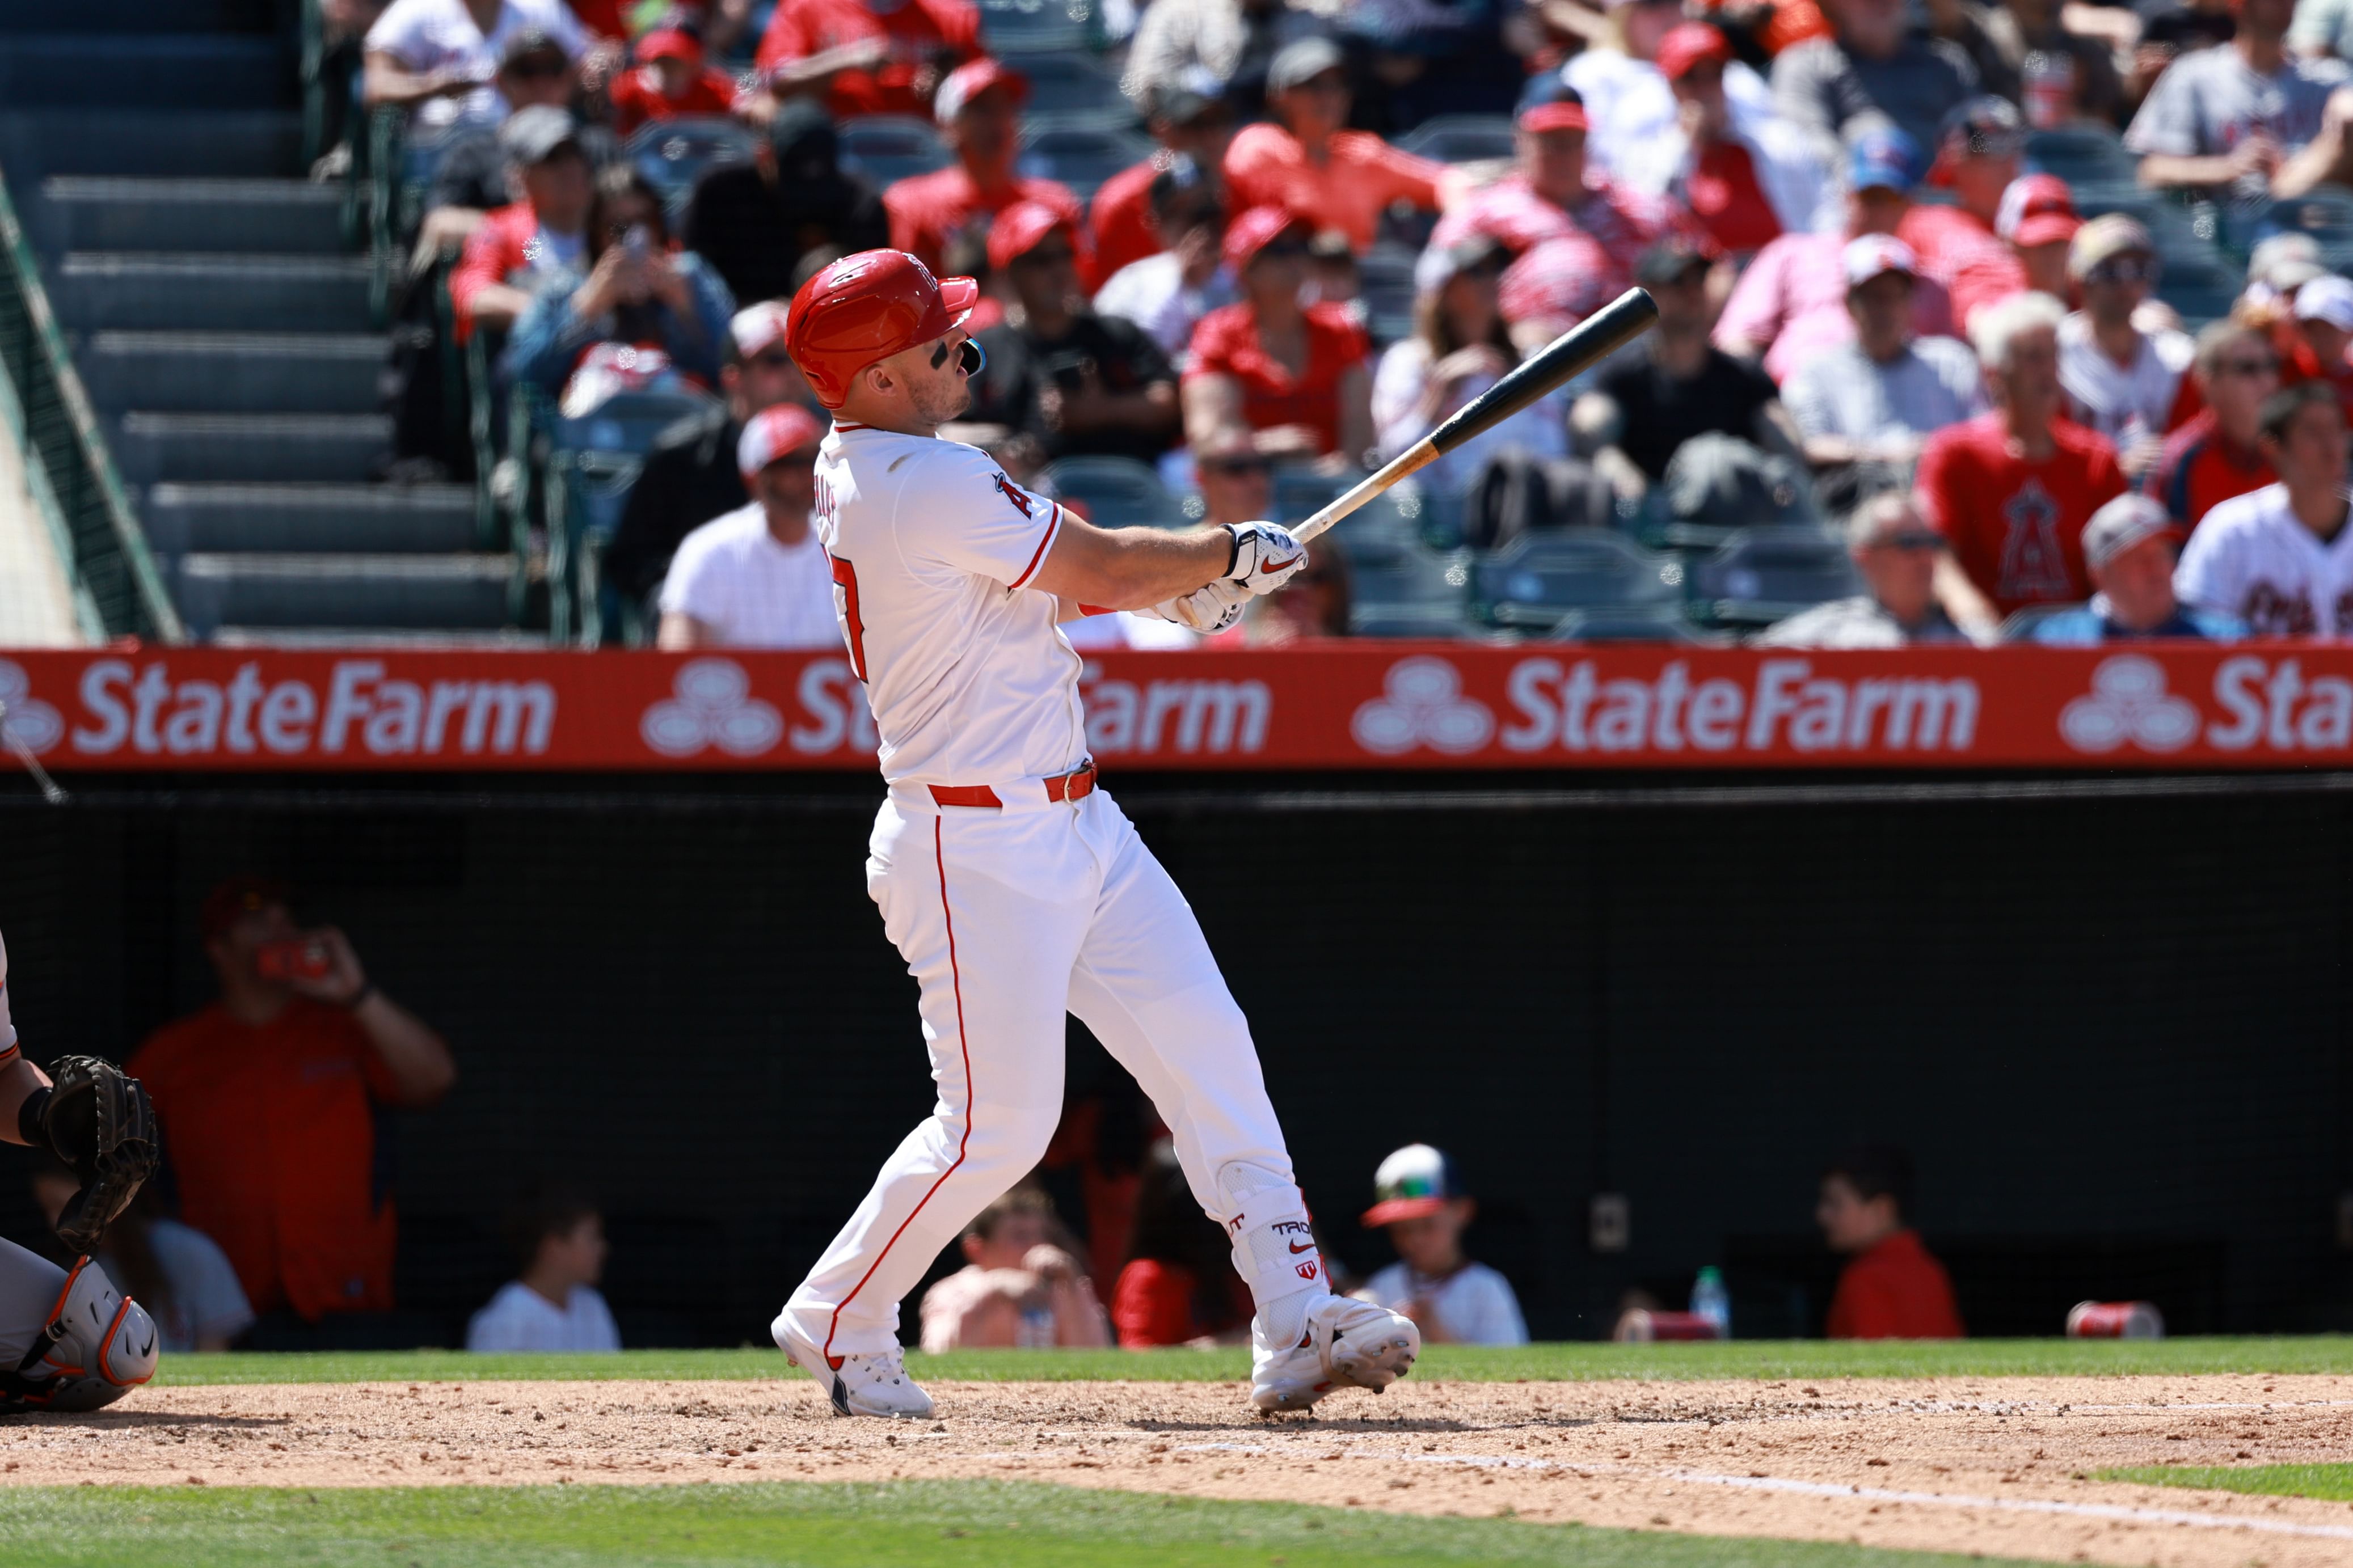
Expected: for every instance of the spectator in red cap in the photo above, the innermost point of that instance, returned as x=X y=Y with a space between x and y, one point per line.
x=1892 y=1289
x=1334 y=177
x=1294 y=376
x=2012 y=491
x=979 y=110
x=1075 y=382
x=670 y=83
x=2218 y=453
x=1746 y=179
x=303 y=1045
x=2037 y=220
x=2121 y=382
x=2077 y=79
x=756 y=576
x=1551 y=285
x=1187 y=124
x=862 y=57
x=1977 y=154
x=1622 y=82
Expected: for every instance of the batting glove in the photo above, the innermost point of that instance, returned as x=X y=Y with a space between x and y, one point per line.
x=1265 y=557
x=1205 y=610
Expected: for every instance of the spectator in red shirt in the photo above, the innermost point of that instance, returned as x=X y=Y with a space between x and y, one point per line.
x=979 y=109
x=1978 y=156
x=862 y=57
x=1186 y=124
x=271 y=1095
x=1890 y=1288
x=1332 y=177
x=670 y=83
x=2012 y=491
x=541 y=238
x=1178 y=1286
x=2037 y=220
x=1294 y=376
x=1744 y=180
x=2218 y=454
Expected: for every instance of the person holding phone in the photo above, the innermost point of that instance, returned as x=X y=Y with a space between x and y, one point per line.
x=272 y=1093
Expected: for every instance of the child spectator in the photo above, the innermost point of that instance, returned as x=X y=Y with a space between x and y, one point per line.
x=1453 y=1301
x=175 y=1271
x=1017 y=1287
x=559 y=1237
x=756 y=576
x=670 y=83
x=1179 y=1286
x=1892 y=1289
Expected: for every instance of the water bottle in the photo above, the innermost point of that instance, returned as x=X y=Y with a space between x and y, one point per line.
x=1710 y=1301
x=1036 y=1332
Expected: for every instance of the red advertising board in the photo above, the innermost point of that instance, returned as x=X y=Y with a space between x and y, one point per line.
x=1345 y=705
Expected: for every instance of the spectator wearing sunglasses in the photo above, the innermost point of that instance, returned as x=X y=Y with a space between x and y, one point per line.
x=2218 y=453
x=2323 y=331
x=2121 y=382
x=1896 y=554
x=1978 y=156
x=1745 y=178
x=1876 y=398
x=1168 y=292
x=1293 y=376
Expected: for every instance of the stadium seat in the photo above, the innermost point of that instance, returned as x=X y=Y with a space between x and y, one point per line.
x=1414 y=591
x=2082 y=154
x=888 y=147
x=1081 y=151
x=1013 y=28
x=1533 y=582
x=1765 y=573
x=672 y=154
x=1113 y=492
x=1461 y=139
x=1065 y=82
x=1385 y=284
x=592 y=462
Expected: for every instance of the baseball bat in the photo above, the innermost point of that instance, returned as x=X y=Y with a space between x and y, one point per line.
x=1577 y=350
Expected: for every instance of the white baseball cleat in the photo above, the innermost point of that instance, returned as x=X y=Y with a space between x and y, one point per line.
x=1349 y=1345
x=872 y=1385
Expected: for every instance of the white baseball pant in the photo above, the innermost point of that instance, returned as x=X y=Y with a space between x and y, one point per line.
x=1008 y=919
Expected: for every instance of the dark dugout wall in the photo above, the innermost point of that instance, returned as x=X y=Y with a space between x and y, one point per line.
x=2109 y=1021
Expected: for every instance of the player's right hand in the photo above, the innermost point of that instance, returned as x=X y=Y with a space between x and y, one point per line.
x=1265 y=557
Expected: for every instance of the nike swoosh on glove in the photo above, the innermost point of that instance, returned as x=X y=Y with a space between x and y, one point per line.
x=1207 y=609
x=1266 y=556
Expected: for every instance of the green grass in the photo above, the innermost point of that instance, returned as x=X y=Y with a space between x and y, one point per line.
x=2331 y=1483
x=935 y=1524
x=1573 y=1363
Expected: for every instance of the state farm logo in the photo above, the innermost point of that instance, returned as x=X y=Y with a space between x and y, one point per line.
x=713 y=706
x=26 y=717
x=1422 y=705
x=2128 y=702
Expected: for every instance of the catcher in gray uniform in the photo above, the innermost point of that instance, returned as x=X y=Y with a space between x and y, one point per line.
x=68 y=1339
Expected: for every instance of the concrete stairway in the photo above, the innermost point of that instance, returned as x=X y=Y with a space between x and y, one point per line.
x=222 y=328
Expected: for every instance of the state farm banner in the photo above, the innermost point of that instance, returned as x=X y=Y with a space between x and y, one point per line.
x=1345 y=705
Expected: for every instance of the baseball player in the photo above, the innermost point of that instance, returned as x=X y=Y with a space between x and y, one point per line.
x=68 y=1339
x=1014 y=888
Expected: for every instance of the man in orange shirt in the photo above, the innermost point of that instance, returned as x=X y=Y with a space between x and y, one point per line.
x=1892 y=1289
x=271 y=1094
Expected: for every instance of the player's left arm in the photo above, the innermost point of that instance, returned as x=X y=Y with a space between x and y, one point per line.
x=1136 y=568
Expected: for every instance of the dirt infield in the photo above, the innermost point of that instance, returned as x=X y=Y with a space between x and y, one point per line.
x=2000 y=1466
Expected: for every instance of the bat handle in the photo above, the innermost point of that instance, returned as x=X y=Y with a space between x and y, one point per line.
x=1421 y=455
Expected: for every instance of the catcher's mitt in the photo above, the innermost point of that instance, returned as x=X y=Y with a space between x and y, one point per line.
x=102 y=1125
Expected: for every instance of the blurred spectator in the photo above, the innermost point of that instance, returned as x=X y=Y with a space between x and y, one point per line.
x=1871 y=67
x=1679 y=384
x=1553 y=284
x=1192 y=128
x=2280 y=265
x=553 y=1305
x=1622 y=81
x=1076 y=382
x=2169 y=29
x=1429 y=58
x=2128 y=549
x=1978 y=156
x=1896 y=554
x=1746 y=177
x=1016 y=1288
x=2322 y=28
x=476 y=174
x=2077 y=78
x=1876 y=398
x=178 y=1273
x=1890 y=1288
x=1332 y=275
x=690 y=474
x=757 y=223
x=1453 y=1301
x=2120 y=381
x=671 y=82
x=2012 y=491
x=1294 y=376
x=2246 y=119
x=540 y=241
x=2280 y=559
x=862 y=57
x=1168 y=292
x=1311 y=163
x=640 y=294
x=1791 y=302
x=1179 y=1287
x=2218 y=454
x=980 y=111
x=303 y=1043
x=1233 y=41
x=2037 y=220
x=756 y=576
x=1237 y=487
x=2324 y=329
x=439 y=59
x=1458 y=348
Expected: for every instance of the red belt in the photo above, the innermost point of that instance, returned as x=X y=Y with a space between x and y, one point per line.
x=1076 y=784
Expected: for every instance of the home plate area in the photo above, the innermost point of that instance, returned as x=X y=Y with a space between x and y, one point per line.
x=2004 y=1467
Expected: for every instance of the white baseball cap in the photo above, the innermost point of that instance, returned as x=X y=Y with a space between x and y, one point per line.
x=2328 y=297
x=1868 y=255
x=754 y=327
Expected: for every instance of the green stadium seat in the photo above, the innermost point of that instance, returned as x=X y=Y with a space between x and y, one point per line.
x=1768 y=573
x=1115 y=492
x=1533 y=583
x=889 y=147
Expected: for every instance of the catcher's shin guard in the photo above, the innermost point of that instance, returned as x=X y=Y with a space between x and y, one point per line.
x=98 y=1346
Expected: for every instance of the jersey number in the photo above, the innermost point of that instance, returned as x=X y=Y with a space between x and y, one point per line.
x=845 y=576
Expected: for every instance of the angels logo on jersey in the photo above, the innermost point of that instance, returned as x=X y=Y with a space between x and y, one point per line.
x=2032 y=564
x=1015 y=494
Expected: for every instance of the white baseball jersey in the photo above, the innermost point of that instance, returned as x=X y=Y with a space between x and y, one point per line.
x=2124 y=403
x=2252 y=559
x=970 y=679
x=734 y=576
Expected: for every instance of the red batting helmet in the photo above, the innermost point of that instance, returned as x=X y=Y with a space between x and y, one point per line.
x=868 y=307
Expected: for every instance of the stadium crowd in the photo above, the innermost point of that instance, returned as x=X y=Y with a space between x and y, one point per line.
x=2023 y=297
